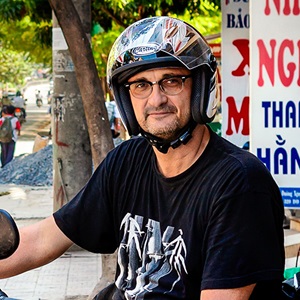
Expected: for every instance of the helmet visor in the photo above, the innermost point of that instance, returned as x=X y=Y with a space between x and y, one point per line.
x=153 y=38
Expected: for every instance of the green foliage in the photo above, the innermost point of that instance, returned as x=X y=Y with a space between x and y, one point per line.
x=37 y=10
x=25 y=38
x=28 y=38
x=125 y=12
x=14 y=68
x=12 y=11
x=208 y=21
x=26 y=25
x=206 y=18
x=101 y=44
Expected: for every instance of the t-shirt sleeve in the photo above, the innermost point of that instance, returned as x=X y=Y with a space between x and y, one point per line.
x=87 y=219
x=93 y=217
x=244 y=237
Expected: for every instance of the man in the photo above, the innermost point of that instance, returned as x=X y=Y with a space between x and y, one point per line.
x=39 y=98
x=192 y=216
x=19 y=102
x=8 y=148
x=5 y=101
x=114 y=118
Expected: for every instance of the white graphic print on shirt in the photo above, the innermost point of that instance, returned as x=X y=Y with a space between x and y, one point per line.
x=144 y=257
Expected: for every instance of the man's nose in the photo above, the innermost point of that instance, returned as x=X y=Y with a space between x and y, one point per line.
x=157 y=97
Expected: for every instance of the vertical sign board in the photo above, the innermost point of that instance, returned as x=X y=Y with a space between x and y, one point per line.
x=275 y=92
x=235 y=71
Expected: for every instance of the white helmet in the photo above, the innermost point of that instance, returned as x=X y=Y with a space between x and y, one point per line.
x=161 y=42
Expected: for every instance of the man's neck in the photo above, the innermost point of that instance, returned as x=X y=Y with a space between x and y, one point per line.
x=176 y=161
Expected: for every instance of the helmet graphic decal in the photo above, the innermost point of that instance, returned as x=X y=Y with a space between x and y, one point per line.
x=145 y=50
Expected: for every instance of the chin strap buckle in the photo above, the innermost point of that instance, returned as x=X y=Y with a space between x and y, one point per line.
x=163 y=146
x=183 y=139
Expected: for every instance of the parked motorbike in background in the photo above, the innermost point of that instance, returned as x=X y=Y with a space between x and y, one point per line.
x=39 y=102
x=39 y=99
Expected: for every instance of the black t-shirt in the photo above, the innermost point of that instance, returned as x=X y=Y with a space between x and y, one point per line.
x=216 y=225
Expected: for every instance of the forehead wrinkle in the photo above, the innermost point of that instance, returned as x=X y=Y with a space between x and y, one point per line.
x=168 y=72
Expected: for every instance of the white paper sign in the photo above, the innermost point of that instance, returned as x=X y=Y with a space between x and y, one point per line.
x=275 y=92
x=235 y=71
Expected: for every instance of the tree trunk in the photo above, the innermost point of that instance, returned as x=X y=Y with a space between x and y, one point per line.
x=93 y=103
x=87 y=78
x=70 y=139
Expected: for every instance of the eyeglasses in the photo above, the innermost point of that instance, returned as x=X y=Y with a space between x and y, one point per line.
x=170 y=86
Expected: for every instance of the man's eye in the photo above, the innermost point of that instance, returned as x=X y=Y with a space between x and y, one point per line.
x=172 y=81
x=141 y=85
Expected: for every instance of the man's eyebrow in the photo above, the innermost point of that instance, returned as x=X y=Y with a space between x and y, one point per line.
x=138 y=79
x=166 y=75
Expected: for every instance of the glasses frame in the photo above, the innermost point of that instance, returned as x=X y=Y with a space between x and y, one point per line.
x=158 y=82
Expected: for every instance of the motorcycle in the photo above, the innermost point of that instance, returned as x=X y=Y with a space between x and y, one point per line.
x=9 y=235
x=19 y=113
x=39 y=102
x=9 y=240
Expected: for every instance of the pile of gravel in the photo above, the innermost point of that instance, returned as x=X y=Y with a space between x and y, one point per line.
x=30 y=169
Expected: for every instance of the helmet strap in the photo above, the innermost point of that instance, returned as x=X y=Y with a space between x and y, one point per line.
x=163 y=146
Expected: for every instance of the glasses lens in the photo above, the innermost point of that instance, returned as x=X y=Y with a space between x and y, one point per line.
x=140 y=89
x=172 y=86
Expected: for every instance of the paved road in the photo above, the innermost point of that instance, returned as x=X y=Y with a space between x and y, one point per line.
x=38 y=120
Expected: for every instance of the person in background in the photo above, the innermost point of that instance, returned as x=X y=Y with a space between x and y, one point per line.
x=19 y=102
x=114 y=118
x=191 y=215
x=8 y=149
x=38 y=98
x=5 y=101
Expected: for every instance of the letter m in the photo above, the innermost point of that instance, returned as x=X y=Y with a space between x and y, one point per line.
x=236 y=117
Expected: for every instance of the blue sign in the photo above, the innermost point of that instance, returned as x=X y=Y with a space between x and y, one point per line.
x=290 y=197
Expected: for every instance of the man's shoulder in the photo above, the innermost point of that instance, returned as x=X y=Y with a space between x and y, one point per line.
x=225 y=146
x=127 y=156
x=134 y=144
x=130 y=150
x=235 y=158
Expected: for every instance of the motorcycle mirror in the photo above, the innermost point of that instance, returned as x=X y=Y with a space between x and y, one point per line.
x=9 y=235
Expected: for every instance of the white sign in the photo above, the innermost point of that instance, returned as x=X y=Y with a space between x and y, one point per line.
x=275 y=92
x=235 y=71
x=58 y=39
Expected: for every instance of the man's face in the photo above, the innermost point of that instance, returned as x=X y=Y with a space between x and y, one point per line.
x=158 y=113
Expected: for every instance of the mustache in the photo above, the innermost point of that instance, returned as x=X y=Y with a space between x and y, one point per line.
x=163 y=108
